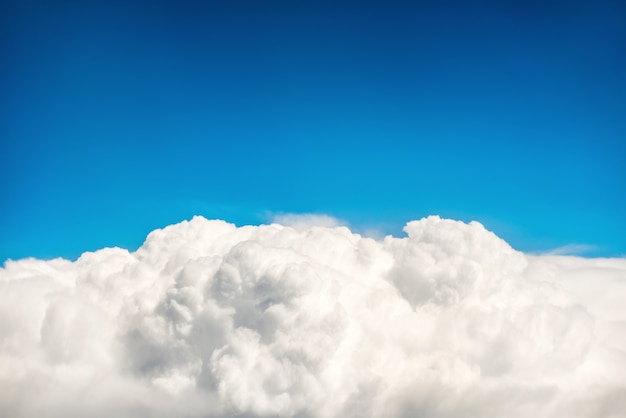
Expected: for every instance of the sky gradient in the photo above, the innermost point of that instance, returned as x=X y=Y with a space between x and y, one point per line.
x=119 y=117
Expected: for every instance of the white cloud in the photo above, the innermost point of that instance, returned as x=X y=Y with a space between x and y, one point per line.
x=303 y=221
x=572 y=249
x=209 y=320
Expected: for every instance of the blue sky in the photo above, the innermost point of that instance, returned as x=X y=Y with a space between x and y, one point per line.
x=119 y=117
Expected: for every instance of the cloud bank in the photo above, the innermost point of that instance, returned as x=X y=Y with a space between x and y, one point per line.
x=210 y=320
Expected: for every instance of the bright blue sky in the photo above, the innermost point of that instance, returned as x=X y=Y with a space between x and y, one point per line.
x=119 y=117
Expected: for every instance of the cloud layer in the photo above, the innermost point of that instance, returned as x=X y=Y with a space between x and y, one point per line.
x=209 y=320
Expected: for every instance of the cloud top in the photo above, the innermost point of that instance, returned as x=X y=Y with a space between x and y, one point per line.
x=309 y=319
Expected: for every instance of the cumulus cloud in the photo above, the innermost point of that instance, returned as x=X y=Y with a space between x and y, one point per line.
x=210 y=320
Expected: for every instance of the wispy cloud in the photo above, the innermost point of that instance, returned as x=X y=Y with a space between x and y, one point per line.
x=303 y=221
x=572 y=249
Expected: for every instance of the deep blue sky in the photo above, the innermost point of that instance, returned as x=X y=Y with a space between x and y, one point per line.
x=119 y=117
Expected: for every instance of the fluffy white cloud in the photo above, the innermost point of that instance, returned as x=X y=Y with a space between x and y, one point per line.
x=209 y=320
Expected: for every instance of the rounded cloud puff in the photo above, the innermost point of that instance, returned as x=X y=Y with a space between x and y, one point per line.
x=207 y=320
